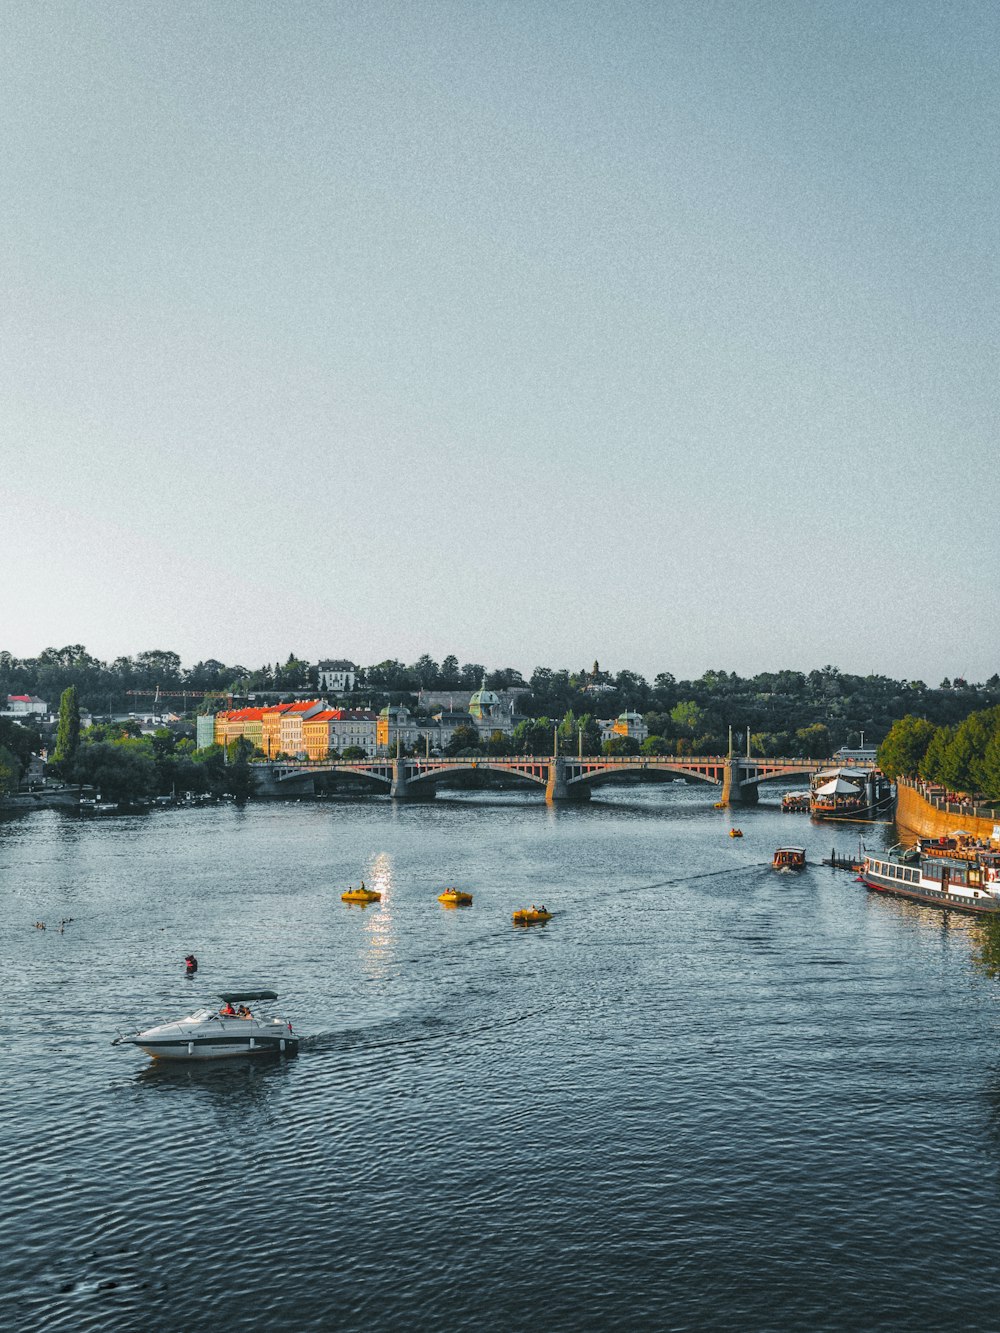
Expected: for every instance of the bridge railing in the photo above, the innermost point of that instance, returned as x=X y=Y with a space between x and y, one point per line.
x=605 y=760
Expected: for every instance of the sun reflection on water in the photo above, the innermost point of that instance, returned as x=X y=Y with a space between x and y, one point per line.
x=379 y=931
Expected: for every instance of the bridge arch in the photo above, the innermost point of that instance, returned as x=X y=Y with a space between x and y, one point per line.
x=598 y=777
x=523 y=772
x=776 y=775
x=650 y=771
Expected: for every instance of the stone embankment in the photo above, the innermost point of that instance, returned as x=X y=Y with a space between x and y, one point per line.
x=923 y=809
x=49 y=798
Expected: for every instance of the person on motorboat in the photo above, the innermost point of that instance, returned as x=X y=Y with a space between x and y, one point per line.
x=227 y=1010
x=243 y=1012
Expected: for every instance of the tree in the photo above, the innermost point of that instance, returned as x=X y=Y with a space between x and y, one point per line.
x=354 y=752
x=687 y=716
x=463 y=738
x=567 y=733
x=425 y=671
x=591 y=733
x=120 y=770
x=932 y=764
x=240 y=779
x=20 y=740
x=620 y=745
x=814 y=742
x=68 y=735
x=159 y=667
x=10 y=771
x=903 y=750
x=532 y=736
x=449 y=677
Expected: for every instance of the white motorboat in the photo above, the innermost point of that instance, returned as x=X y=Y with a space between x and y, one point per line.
x=213 y=1034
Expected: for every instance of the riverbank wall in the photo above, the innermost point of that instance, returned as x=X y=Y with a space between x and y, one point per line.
x=52 y=799
x=930 y=816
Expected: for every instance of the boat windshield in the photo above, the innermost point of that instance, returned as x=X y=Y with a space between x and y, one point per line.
x=202 y=1015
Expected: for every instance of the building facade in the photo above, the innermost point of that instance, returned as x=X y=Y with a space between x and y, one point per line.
x=26 y=705
x=397 y=727
x=625 y=724
x=337 y=676
x=334 y=730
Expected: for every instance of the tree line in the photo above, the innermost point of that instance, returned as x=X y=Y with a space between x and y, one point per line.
x=963 y=757
x=123 y=764
x=787 y=712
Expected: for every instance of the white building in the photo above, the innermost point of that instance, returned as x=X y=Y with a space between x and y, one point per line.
x=26 y=705
x=625 y=724
x=336 y=676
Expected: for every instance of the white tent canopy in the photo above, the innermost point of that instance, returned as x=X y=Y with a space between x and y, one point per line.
x=838 y=787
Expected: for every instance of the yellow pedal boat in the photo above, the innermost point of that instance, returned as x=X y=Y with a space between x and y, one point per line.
x=361 y=895
x=736 y=833
x=455 y=898
x=531 y=916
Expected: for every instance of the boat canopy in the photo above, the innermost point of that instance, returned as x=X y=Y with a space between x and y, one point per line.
x=838 y=787
x=240 y=996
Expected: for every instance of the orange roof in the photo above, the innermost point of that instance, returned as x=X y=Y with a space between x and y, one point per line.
x=328 y=715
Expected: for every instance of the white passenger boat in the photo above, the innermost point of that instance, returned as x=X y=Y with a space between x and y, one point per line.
x=213 y=1034
x=949 y=872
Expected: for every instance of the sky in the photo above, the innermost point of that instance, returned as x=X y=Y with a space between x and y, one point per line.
x=659 y=333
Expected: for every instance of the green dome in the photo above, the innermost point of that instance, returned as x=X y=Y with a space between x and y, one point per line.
x=483 y=702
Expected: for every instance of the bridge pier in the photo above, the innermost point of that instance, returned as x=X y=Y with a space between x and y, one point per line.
x=403 y=789
x=558 y=789
x=734 y=791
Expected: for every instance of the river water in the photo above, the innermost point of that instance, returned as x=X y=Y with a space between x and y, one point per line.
x=704 y=1096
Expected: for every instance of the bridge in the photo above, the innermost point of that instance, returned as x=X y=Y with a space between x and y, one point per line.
x=563 y=778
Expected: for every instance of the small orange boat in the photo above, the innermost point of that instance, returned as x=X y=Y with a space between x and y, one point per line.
x=361 y=895
x=455 y=898
x=532 y=916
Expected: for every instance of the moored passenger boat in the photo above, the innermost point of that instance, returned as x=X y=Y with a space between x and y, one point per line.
x=795 y=800
x=949 y=874
x=851 y=794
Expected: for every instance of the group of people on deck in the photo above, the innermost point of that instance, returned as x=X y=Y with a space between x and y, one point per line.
x=227 y=1011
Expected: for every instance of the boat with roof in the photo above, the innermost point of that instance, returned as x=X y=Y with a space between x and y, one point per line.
x=957 y=872
x=213 y=1034
x=789 y=858
x=851 y=793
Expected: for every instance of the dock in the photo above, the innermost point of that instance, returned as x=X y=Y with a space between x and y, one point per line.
x=839 y=861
